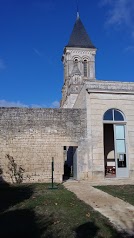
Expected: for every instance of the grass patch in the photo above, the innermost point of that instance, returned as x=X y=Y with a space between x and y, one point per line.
x=36 y=211
x=124 y=192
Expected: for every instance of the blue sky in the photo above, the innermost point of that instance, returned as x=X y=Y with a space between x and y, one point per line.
x=33 y=34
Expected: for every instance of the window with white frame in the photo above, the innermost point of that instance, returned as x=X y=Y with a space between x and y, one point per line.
x=113 y=115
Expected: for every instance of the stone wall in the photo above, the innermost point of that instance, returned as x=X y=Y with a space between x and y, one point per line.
x=81 y=99
x=34 y=136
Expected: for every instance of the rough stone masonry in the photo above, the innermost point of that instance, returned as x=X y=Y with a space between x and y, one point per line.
x=33 y=136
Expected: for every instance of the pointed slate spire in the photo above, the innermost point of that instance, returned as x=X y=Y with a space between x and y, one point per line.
x=79 y=37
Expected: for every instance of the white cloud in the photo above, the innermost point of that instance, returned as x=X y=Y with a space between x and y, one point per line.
x=2 y=64
x=38 y=106
x=55 y=104
x=120 y=13
x=129 y=48
x=4 y=103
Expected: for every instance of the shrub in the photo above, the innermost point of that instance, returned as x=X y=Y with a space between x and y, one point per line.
x=15 y=171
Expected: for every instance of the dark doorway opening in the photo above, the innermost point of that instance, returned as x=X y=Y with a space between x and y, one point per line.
x=70 y=162
x=109 y=151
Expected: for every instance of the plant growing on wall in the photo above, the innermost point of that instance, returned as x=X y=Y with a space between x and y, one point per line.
x=15 y=171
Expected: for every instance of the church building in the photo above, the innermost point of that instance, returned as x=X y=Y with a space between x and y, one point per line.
x=109 y=144
x=90 y=137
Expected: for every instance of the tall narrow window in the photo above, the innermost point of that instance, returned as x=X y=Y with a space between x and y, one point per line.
x=75 y=62
x=85 y=68
x=115 y=145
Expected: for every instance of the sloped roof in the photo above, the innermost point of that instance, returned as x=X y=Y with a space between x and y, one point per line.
x=79 y=37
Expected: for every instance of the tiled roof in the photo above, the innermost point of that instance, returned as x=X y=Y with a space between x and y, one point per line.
x=79 y=37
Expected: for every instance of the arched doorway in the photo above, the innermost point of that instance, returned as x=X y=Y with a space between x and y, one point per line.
x=115 y=151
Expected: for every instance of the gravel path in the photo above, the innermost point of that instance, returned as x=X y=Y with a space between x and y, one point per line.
x=120 y=213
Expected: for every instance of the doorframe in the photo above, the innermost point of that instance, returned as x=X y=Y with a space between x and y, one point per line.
x=126 y=142
x=108 y=122
x=76 y=162
x=73 y=146
x=126 y=148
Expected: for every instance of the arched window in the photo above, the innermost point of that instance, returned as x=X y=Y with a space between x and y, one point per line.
x=115 y=146
x=113 y=115
x=75 y=62
x=85 y=68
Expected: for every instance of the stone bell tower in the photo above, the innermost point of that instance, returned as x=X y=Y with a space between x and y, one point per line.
x=79 y=64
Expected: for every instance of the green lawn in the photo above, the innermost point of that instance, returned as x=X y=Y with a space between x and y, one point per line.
x=36 y=211
x=125 y=192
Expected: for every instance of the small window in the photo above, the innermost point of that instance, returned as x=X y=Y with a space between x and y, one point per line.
x=85 y=68
x=75 y=62
x=113 y=115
